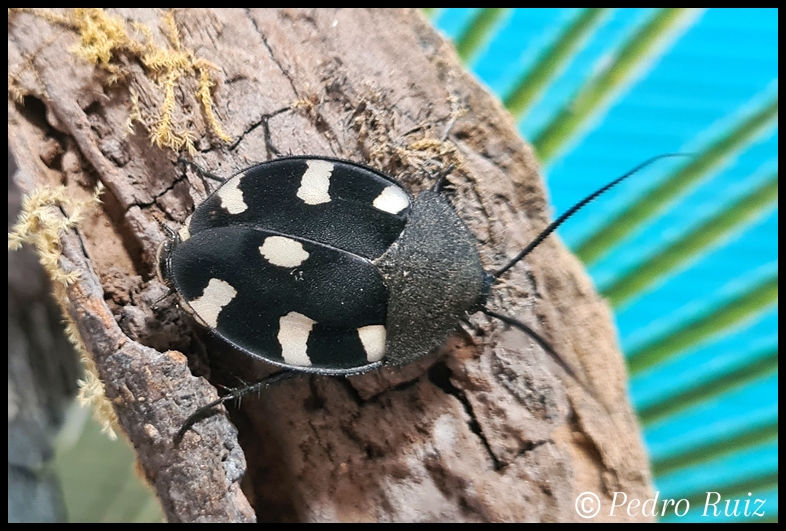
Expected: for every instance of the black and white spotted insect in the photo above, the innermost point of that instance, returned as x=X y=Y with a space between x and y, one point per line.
x=326 y=266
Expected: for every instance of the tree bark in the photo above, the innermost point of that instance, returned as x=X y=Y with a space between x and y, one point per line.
x=488 y=429
x=42 y=373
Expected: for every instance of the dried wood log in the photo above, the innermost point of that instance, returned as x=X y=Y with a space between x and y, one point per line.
x=487 y=429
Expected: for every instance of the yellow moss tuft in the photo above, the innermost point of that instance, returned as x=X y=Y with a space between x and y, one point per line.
x=104 y=40
x=41 y=224
x=15 y=89
x=417 y=151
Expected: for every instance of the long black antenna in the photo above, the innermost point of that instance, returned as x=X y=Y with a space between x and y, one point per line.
x=538 y=339
x=578 y=206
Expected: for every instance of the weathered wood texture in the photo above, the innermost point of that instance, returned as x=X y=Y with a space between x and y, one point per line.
x=42 y=373
x=489 y=429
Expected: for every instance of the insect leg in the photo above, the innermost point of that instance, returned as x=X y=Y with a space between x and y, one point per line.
x=210 y=409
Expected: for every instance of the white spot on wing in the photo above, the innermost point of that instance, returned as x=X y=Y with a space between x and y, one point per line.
x=232 y=196
x=216 y=296
x=315 y=182
x=392 y=200
x=373 y=339
x=283 y=252
x=293 y=331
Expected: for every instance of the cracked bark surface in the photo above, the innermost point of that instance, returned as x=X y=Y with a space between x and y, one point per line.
x=488 y=429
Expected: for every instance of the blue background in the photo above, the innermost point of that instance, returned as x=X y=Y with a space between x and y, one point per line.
x=716 y=68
